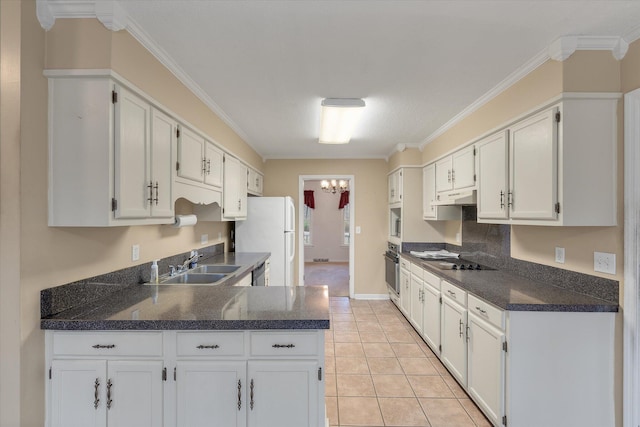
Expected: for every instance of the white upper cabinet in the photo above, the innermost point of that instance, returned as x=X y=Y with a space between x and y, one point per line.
x=395 y=187
x=109 y=155
x=199 y=160
x=255 y=182
x=493 y=177
x=430 y=211
x=457 y=171
x=235 y=189
x=555 y=167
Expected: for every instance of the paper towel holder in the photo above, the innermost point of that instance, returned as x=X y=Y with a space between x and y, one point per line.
x=184 y=221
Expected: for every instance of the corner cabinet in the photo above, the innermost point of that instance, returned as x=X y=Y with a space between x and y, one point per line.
x=234 y=194
x=185 y=378
x=430 y=211
x=555 y=167
x=255 y=182
x=110 y=155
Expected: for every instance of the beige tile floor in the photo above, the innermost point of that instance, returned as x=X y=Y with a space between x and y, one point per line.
x=379 y=372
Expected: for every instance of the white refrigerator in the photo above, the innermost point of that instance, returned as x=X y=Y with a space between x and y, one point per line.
x=270 y=227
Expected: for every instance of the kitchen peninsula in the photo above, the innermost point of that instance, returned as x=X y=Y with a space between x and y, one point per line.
x=186 y=355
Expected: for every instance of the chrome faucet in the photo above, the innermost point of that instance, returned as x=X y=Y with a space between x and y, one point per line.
x=190 y=262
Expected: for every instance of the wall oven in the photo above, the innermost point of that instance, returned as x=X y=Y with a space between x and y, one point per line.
x=392 y=268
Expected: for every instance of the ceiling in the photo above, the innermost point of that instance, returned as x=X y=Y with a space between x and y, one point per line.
x=264 y=66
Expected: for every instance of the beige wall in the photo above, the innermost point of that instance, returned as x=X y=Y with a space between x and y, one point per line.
x=53 y=256
x=407 y=157
x=327 y=232
x=10 y=213
x=369 y=204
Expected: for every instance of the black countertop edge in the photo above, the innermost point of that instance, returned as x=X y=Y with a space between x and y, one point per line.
x=150 y=325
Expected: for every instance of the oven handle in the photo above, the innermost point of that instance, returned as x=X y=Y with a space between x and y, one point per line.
x=395 y=260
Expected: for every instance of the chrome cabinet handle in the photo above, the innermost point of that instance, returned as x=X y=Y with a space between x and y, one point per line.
x=239 y=394
x=510 y=199
x=251 y=403
x=467 y=333
x=204 y=166
x=453 y=294
x=109 y=401
x=212 y=346
x=96 y=400
x=449 y=175
x=157 y=192
x=460 y=328
x=283 y=345
x=453 y=175
x=208 y=166
x=481 y=310
x=150 y=187
x=104 y=346
x=501 y=199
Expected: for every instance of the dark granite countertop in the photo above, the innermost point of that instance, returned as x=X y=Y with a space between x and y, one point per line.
x=512 y=292
x=187 y=307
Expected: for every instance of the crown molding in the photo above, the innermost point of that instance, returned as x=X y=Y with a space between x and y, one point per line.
x=632 y=35
x=112 y=15
x=565 y=46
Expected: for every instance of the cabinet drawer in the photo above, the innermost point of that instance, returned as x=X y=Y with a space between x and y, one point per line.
x=417 y=270
x=486 y=311
x=405 y=264
x=431 y=279
x=284 y=344
x=453 y=292
x=107 y=343
x=210 y=344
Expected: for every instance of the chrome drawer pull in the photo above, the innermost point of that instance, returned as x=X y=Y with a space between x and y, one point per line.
x=251 y=403
x=109 y=401
x=104 y=346
x=96 y=400
x=481 y=310
x=283 y=345
x=212 y=346
x=453 y=294
x=239 y=395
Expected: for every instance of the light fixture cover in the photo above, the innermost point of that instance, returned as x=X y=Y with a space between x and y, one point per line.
x=339 y=118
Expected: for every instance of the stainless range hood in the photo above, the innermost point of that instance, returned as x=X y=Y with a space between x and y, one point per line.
x=456 y=197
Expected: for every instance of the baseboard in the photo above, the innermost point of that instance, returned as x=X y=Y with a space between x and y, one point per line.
x=371 y=296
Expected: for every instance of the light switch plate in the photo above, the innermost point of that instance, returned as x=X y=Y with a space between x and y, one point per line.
x=604 y=262
x=204 y=239
x=135 y=252
x=560 y=255
x=358 y=229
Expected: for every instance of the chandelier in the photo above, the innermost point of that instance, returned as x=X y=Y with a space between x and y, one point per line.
x=334 y=186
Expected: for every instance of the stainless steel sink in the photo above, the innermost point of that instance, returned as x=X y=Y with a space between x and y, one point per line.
x=225 y=269
x=194 y=279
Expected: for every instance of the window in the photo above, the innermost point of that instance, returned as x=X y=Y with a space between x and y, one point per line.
x=346 y=213
x=306 y=234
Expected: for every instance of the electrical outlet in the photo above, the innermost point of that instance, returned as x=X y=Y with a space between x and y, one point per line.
x=458 y=237
x=219 y=235
x=358 y=229
x=204 y=239
x=560 y=255
x=604 y=262
x=135 y=252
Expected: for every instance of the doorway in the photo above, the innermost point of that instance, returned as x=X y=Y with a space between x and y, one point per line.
x=326 y=234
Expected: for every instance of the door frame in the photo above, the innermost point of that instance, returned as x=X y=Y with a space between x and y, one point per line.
x=631 y=313
x=352 y=215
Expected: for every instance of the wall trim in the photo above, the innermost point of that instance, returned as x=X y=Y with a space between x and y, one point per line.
x=631 y=312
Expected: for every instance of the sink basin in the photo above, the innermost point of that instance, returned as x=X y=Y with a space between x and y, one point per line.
x=225 y=269
x=194 y=278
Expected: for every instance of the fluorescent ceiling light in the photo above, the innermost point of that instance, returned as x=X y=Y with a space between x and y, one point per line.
x=339 y=118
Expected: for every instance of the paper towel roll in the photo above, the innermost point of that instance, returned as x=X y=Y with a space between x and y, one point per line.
x=185 y=221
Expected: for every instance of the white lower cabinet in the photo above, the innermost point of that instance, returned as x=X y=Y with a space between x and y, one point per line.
x=211 y=393
x=283 y=393
x=454 y=339
x=417 y=299
x=185 y=378
x=124 y=393
x=485 y=380
x=431 y=318
x=405 y=290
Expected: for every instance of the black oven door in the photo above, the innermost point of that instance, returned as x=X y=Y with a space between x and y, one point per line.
x=392 y=273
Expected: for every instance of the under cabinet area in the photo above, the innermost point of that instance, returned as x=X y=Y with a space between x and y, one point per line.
x=185 y=378
x=554 y=167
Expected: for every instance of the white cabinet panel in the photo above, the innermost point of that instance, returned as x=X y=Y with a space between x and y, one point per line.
x=213 y=171
x=211 y=393
x=533 y=147
x=453 y=339
x=162 y=140
x=405 y=291
x=417 y=301
x=431 y=319
x=444 y=169
x=464 y=169
x=191 y=148
x=78 y=398
x=493 y=183
x=282 y=393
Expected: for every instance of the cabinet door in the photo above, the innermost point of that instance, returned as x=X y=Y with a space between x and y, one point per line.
x=486 y=367
x=453 y=339
x=78 y=397
x=416 y=303
x=443 y=174
x=533 y=150
x=464 y=168
x=235 y=191
x=162 y=134
x=134 y=393
x=405 y=291
x=191 y=155
x=429 y=191
x=213 y=165
x=431 y=319
x=492 y=176
x=395 y=185
x=132 y=169
x=211 y=394
x=283 y=393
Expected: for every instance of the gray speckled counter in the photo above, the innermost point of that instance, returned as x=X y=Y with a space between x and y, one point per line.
x=119 y=306
x=516 y=293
